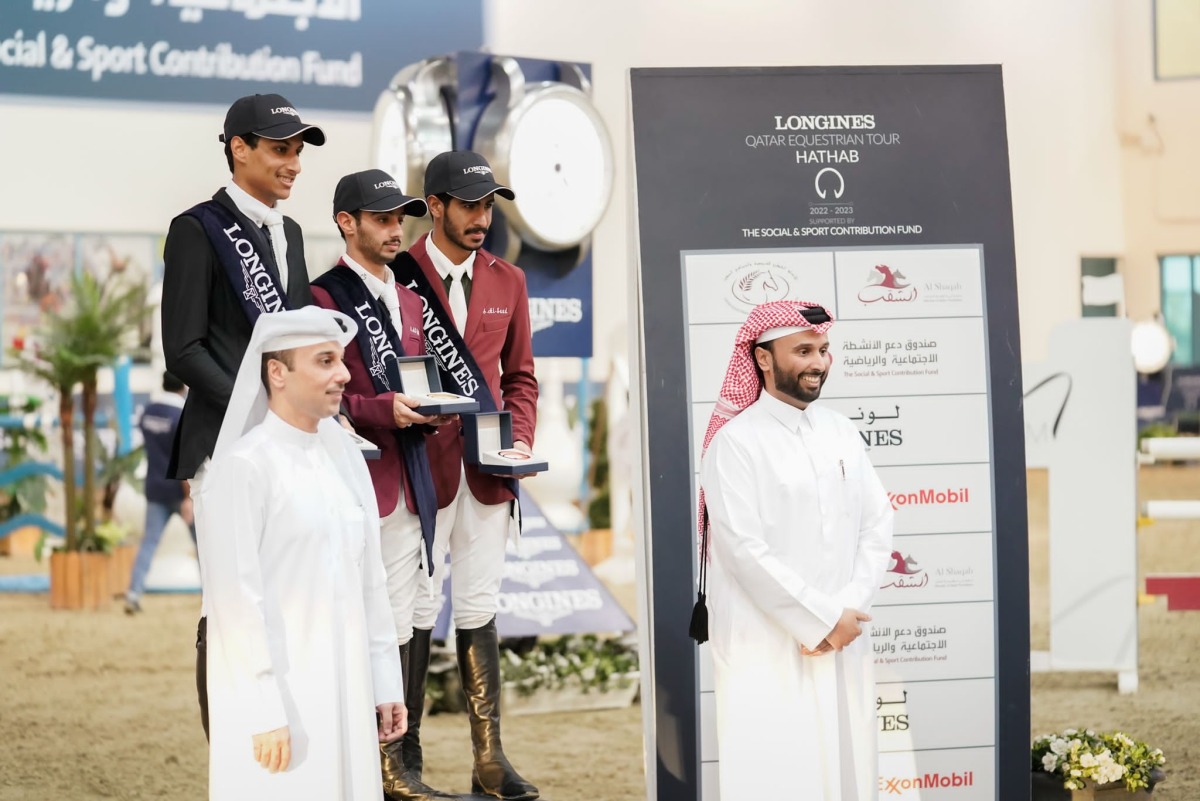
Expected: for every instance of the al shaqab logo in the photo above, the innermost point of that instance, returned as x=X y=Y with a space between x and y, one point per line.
x=887 y=284
x=903 y=572
x=759 y=282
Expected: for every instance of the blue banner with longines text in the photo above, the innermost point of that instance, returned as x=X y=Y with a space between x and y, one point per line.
x=547 y=590
x=329 y=54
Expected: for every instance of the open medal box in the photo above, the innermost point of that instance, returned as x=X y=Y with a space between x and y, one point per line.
x=368 y=449
x=488 y=444
x=419 y=379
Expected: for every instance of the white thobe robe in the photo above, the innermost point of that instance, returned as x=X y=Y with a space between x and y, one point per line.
x=300 y=632
x=801 y=529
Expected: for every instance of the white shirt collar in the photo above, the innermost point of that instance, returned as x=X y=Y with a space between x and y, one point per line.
x=252 y=207
x=385 y=289
x=792 y=418
x=442 y=263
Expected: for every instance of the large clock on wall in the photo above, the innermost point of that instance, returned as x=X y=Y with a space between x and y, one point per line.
x=534 y=121
x=414 y=121
x=546 y=140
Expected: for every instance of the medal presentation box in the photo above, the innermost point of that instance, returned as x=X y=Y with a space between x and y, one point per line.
x=368 y=449
x=419 y=379
x=489 y=446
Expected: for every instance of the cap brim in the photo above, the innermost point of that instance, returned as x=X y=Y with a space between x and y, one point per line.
x=413 y=206
x=312 y=134
x=476 y=192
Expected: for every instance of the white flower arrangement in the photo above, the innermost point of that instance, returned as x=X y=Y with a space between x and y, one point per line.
x=1080 y=756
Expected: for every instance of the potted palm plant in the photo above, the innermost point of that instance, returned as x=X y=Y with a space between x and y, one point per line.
x=72 y=345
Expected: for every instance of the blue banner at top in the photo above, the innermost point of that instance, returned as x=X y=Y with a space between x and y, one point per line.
x=319 y=54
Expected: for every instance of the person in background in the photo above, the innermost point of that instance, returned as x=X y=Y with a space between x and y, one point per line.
x=165 y=497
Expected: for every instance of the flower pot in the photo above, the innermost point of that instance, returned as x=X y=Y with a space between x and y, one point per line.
x=120 y=569
x=1049 y=787
x=79 y=580
x=595 y=545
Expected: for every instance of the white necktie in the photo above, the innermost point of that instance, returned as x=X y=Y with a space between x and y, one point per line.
x=274 y=222
x=458 y=298
x=392 y=301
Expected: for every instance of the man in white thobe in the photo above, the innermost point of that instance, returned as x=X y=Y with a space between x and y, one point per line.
x=301 y=644
x=800 y=536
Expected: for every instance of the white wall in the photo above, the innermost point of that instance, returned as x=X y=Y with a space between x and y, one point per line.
x=1160 y=160
x=131 y=167
x=1059 y=79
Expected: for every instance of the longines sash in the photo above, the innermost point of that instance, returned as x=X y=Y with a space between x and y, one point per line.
x=459 y=371
x=380 y=345
x=256 y=284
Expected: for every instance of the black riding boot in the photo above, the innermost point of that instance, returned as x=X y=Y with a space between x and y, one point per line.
x=399 y=783
x=414 y=697
x=479 y=668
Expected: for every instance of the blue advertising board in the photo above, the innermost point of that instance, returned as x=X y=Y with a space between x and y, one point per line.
x=547 y=589
x=328 y=54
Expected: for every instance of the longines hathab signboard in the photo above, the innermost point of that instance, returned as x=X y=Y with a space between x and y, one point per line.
x=883 y=194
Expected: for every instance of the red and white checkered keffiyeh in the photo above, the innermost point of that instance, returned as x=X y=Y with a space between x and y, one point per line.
x=742 y=386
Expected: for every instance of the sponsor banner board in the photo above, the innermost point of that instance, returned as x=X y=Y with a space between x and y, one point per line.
x=935 y=641
x=937 y=569
x=931 y=715
x=547 y=588
x=881 y=193
x=939 y=499
x=961 y=774
x=331 y=54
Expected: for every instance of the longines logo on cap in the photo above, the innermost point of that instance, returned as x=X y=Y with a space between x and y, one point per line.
x=479 y=169
x=388 y=185
x=285 y=110
x=887 y=284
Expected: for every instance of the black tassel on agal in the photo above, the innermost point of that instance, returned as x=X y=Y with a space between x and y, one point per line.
x=698 y=628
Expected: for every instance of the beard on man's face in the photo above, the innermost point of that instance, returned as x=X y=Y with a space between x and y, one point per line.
x=793 y=386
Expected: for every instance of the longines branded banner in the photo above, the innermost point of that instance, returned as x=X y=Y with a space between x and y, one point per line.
x=333 y=54
x=547 y=588
x=882 y=193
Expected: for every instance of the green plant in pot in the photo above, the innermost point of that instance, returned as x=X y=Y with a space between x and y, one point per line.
x=72 y=345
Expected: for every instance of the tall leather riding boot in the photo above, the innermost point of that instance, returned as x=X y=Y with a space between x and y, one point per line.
x=399 y=783
x=479 y=668
x=414 y=698
x=202 y=672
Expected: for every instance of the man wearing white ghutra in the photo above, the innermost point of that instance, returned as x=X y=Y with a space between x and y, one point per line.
x=801 y=533
x=301 y=643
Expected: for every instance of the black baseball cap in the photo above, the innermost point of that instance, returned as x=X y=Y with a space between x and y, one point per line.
x=462 y=174
x=268 y=116
x=374 y=190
